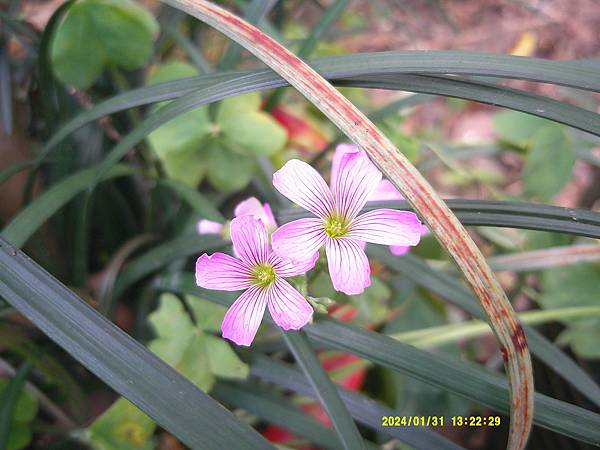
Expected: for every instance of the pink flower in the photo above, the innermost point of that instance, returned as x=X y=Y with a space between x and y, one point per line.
x=249 y=207
x=384 y=190
x=338 y=225
x=260 y=273
x=252 y=207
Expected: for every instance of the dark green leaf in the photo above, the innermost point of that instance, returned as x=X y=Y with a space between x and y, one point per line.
x=465 y=379
x=163 y=254
x=9 y=403
x=198 y=202
x=275 y=409
x=532 y=216
x=172 y=401
x=363 y=409
x=326 y=392
x=22 y=227
x=398 y=63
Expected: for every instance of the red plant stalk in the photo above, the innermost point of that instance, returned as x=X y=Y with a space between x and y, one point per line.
x=442 y=222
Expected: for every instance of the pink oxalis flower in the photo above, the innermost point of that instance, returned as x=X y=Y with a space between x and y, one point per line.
x=338 y=225
x=385 y=190
x=249 y=207
x=259 y=272
x=252 y=207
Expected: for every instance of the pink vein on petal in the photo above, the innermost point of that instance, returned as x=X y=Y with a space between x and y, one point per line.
x=300 y=239
x=387 y=227
x=348 y=265
x=250 y=239
x=289 y=309
x=222 y=272
x=243 y=318
x=356 y=180
x=303 y=185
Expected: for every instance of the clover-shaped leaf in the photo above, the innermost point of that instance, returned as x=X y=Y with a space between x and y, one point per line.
x=243 y=124
x=228 y=170
x=191 y=146
x=178 y=144
x=199 y=356
x=96 y=34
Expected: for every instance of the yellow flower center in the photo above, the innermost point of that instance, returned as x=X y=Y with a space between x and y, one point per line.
x=263 y=275
x=336 y=226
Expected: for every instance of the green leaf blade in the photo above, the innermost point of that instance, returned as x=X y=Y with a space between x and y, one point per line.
x=155 y=388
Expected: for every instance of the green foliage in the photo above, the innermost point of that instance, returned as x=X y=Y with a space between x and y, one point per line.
x=228 y=170
x=549 y=163
x=576 y=285
x=178 y=143
x=220 y=147
x=549 y=160
x=193 y=146
x=99 y=34
x=372 y=305
x=198 y=355
x=406 y=393
x=245 y=126
x=26 y=409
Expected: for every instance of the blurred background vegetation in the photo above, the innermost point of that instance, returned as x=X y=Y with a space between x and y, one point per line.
x=58 y=60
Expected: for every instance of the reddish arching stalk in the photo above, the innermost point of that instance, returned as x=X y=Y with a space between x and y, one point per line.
x=442 y=222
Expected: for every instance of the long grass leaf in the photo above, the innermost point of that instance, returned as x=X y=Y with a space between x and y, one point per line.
x=327 y=394
x=22 y=226
x=401 y=70
x=448 y=287
x=8 y=401
x=529 y=216
x=117 y=359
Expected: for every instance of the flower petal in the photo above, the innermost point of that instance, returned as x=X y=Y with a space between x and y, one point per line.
x=222 y=272
x=348 y=265
x=288 y=268
x=252 y=207
x=205 y=226
x=287 y=306
x=357 y=178
x=243 y=318
x=340 y=151
x=299 y=240
x=304 y=186
x=399 y=250
x=385 y=190
x=388 y=227
x=250 y=240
